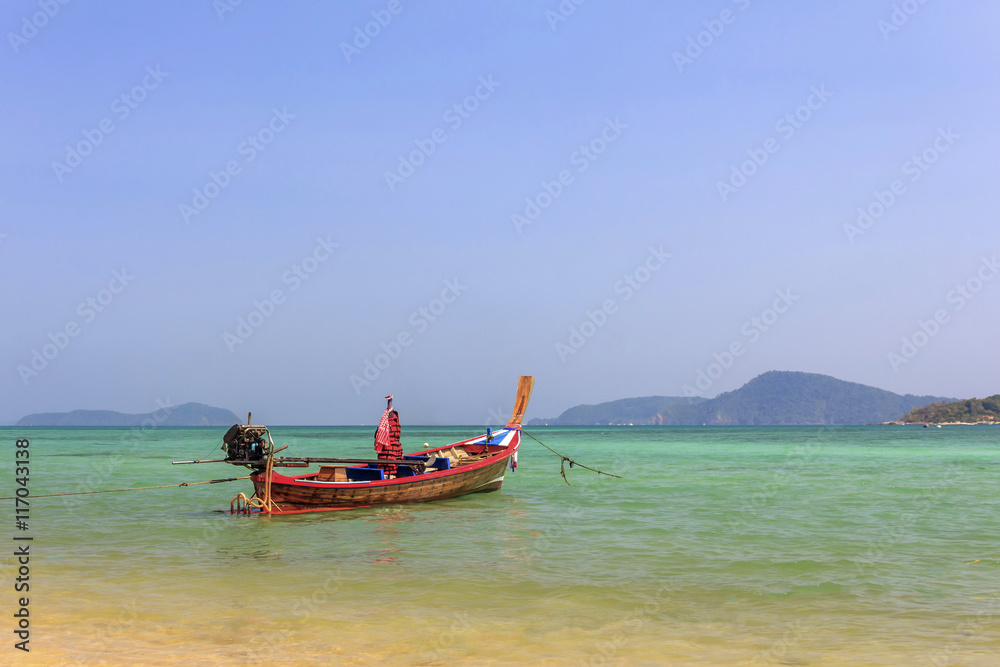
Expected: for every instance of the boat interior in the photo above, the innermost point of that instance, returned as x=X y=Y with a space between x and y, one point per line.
x=432 y=461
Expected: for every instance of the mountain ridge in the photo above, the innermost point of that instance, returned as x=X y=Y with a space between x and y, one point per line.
x=186 y=414
x=775 y=398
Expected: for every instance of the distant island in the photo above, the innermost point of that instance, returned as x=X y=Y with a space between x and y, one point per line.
x=776 y=398
x=188 y=414
x=971 y=411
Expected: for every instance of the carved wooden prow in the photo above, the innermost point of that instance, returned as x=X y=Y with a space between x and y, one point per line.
x=524 y=386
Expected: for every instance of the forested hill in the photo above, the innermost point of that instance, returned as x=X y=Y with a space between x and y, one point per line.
x=188 y=414
x=971 y=411
x=772 y=399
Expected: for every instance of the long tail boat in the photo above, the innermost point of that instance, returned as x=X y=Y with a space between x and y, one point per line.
x=475 y=465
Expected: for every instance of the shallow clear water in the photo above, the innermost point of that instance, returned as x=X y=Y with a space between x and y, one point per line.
x=721 y=546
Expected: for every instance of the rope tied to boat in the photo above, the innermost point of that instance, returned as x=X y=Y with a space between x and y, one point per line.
x=566 y=459
x=241 y=504
x=137 y=488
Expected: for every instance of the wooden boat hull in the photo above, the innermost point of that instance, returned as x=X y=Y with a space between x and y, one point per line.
x=307 y=494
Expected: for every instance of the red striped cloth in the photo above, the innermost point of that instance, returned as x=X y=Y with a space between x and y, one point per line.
x=387 y=444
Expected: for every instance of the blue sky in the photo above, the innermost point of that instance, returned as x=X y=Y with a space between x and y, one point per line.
x=600 y=201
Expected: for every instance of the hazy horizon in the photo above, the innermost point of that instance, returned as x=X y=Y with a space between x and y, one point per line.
x=268 y=208
x=495 y=416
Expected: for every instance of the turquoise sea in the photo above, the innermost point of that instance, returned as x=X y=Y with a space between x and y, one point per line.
x=720 y=546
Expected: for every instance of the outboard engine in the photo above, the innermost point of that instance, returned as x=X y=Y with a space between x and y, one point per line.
x=244 y=443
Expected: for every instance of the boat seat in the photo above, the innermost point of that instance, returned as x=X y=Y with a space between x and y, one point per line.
x=365 y=474
x=438 y=463
x=434 y=463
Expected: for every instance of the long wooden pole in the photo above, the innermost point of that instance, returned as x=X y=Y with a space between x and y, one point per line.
x=309 y=459
x=270 y=472
x=280 y=461
x=137 y=488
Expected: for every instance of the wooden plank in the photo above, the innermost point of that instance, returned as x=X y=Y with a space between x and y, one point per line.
x=332 y=474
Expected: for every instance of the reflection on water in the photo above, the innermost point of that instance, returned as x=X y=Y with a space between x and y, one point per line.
x=387 y=530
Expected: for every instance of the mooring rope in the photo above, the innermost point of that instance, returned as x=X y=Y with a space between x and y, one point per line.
x=562 y=464
x=242 y=505
x=138 y=488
